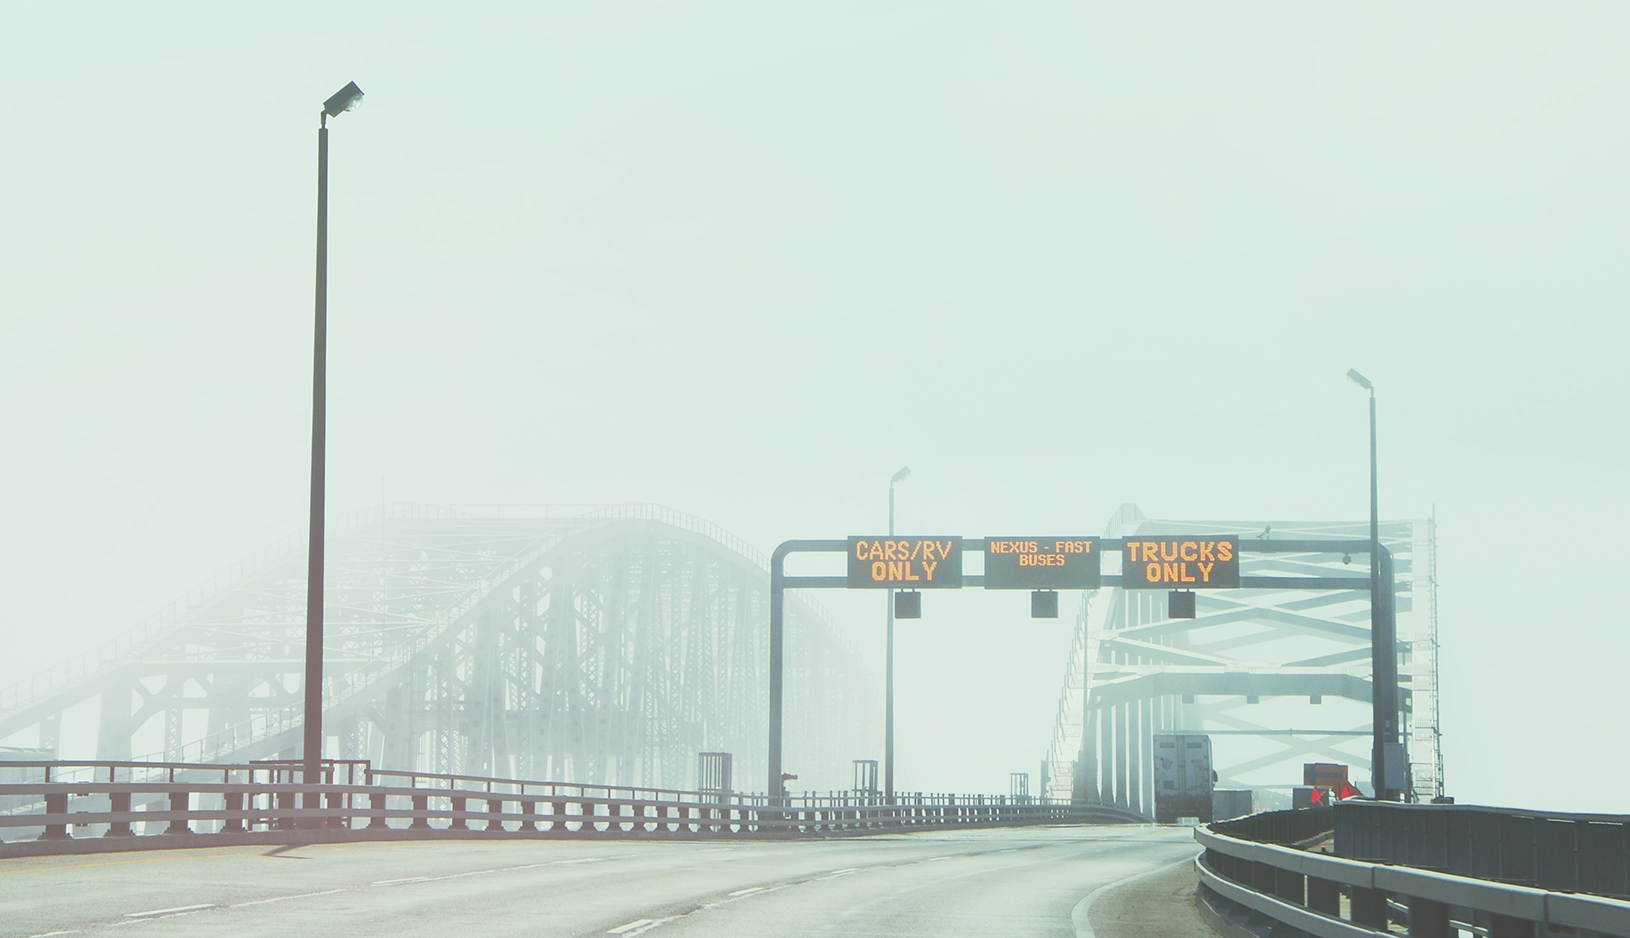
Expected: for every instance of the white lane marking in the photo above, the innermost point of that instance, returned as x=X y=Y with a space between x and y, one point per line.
x=53 y=934
x=650 y=925
x=745 y=892
x=847 y=869
x=399 y=882
x=179 y=908
x=620 y=929
x=303 y=895
x=934 y=859
x=1078 y=914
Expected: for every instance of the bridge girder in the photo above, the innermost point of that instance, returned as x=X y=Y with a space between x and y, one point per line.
x=1134 y=671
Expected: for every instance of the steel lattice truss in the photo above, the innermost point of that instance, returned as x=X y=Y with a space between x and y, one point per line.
x=603 y=649
x=1277 y=677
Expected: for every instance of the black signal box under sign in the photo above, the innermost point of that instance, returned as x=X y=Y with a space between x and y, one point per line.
x=908 y=604
x=1180 y=605
x=911 y=563
x=1188 y=563
x=1044 y=604
x=1042 y=563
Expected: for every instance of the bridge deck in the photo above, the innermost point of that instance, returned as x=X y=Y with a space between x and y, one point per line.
x=991 y=882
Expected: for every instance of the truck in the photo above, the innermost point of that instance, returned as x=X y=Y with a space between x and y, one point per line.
x=1183 y=777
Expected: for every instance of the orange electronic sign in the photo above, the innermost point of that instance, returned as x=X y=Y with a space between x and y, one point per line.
x=910 y=563
x=1040 y=563
x=1180 y=562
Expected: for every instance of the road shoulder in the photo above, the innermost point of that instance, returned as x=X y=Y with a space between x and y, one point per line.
x=1160 y=905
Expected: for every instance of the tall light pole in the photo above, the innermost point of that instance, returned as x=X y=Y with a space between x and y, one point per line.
x=1380 y=694
x=888 y=680
x=311 y=751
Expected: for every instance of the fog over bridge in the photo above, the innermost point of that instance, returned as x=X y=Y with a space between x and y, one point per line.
x=604 y=648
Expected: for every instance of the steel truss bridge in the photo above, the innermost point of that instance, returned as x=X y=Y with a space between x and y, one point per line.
x=606 y=649
x=1277 y=677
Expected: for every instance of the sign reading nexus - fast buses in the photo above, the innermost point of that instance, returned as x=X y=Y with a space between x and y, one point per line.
x=1180 y=563
x=911 y=563
x=1032 y=563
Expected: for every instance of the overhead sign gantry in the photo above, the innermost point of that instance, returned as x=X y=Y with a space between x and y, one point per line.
x=1180 y=563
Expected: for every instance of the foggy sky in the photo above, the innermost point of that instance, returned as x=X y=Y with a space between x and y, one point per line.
x=746 y=261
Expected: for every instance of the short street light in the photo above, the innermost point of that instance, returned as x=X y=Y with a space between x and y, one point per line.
x=888 y=680
x=311 y=752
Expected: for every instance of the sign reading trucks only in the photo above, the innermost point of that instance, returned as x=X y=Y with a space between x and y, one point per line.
x=909 y=563
x=1180 y=563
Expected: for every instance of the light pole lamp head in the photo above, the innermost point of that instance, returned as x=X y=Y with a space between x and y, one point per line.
x=902 y=475
x=346 y=99
x=1360 y=380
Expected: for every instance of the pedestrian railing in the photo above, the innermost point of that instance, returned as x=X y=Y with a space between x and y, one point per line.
x=1335 y=896
x=94 y=806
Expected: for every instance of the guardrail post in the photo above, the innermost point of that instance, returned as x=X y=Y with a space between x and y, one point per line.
x=531 y=810
x=1501 y=926
x=1369 y=908
x=285 y=804
x=232 y=801
x=56 y=804
x=335 y=802
x=377 y=802
x=119 y=803
x=1291 y=886
x=1427 y=919
x=1323 y=896
x=453 y=806
x=179 y=804
x=1264 y=878
x=421 y=813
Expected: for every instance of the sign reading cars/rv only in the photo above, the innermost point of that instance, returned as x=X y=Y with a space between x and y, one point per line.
x=910 y=563
x=1042 y=563
x=1180 y=563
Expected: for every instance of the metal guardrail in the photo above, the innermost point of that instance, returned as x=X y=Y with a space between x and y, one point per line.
x=84 y=806
x=1287 y=828
x=1547 y=850
x=1341 y=897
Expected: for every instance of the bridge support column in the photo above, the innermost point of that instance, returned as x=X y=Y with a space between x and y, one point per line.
x=1120 y=721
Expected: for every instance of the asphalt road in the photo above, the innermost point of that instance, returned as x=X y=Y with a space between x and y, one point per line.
x=1025 y=882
